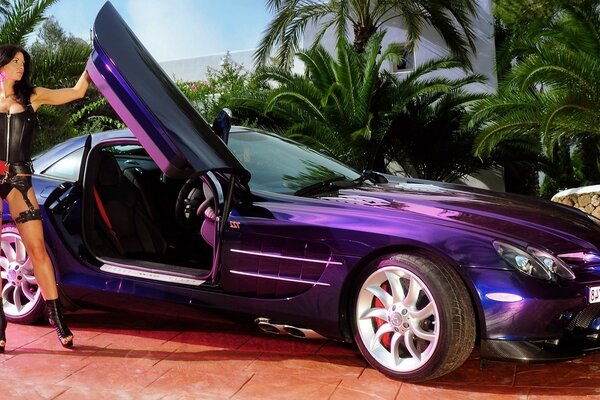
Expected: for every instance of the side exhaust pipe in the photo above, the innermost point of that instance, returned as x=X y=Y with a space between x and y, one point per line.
x=266 y=325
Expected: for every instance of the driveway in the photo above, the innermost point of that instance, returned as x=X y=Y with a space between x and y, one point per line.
x=132 y=356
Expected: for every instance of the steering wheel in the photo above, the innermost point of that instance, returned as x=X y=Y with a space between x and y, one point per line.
x=191 y=203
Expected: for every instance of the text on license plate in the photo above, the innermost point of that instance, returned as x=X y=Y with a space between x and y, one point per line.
x=594 y=294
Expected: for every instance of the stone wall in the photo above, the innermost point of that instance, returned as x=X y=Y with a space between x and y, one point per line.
x=585 y=198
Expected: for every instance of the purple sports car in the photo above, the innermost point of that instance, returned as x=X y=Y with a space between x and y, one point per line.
x=169 y=217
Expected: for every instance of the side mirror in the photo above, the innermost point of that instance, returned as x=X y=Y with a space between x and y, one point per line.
x=376 y=176
x=222 y=124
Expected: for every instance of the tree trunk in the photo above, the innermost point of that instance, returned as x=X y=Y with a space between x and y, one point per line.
x=362 y=34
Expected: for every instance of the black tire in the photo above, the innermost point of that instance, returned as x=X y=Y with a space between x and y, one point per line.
x=412 y=334
x=21 y=296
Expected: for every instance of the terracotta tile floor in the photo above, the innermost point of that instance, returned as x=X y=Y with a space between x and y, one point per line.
x=125 y=356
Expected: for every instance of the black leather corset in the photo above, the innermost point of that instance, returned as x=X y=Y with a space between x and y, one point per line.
x=16 y=132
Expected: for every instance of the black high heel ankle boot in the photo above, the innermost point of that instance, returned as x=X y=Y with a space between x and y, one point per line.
x=55 y=317
x=3 y=323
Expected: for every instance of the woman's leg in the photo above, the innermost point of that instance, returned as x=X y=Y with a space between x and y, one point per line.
x=32 y=234
x=3 y=321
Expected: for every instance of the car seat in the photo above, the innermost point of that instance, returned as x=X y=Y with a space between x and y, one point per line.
x=137 y=177
x=122 y=213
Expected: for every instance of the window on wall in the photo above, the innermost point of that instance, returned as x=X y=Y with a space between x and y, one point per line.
x=407 y=64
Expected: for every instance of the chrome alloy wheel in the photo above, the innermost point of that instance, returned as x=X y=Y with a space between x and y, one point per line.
x=397 y=319
x=21 y=294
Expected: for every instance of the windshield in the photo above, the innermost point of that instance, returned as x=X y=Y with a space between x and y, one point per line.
x=284 y=166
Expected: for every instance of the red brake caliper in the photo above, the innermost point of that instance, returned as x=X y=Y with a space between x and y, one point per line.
x=386 y=339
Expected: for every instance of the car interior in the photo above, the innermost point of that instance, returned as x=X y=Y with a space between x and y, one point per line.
x=140 y=215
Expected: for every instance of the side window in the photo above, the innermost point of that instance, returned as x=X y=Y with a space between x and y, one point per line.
x=407 y=63
x=129 y=150
x=66 y=168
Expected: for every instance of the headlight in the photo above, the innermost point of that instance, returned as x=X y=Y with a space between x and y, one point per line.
x=534 y=262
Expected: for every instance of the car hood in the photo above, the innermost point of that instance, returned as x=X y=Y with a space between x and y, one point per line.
x=527 y=219
x=148 y=101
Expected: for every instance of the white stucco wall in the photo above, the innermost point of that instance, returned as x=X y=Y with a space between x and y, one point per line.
x=195 y=69
x=431 y=46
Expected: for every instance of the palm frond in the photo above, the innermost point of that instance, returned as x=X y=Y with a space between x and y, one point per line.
x=451 y=19
x=21 y=20
x=286 y=30
x=60 y=68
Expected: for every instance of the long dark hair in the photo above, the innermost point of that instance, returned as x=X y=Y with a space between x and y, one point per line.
x=23 y=88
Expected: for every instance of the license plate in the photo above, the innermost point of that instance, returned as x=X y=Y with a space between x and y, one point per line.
x=594 y=294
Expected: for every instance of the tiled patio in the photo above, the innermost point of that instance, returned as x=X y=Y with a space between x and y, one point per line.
x=124 y=356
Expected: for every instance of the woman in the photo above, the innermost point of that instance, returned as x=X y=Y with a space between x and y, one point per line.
x=18 y=104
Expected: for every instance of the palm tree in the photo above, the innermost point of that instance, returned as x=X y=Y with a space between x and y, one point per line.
x=347 y=105
x=553 y=93
x=20 y=17
x=58 y=59
x=519 y=26
x=451 y=19
x=426 y=138
x=4 y=7
x=336 y=108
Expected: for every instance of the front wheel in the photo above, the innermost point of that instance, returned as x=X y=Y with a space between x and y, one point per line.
x=21 y=296
x=412 y=318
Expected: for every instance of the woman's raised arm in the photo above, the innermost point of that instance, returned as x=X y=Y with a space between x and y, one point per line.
x=55 y=97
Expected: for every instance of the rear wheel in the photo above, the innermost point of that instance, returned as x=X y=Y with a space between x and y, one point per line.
x=412 y=318
x=21 y=296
